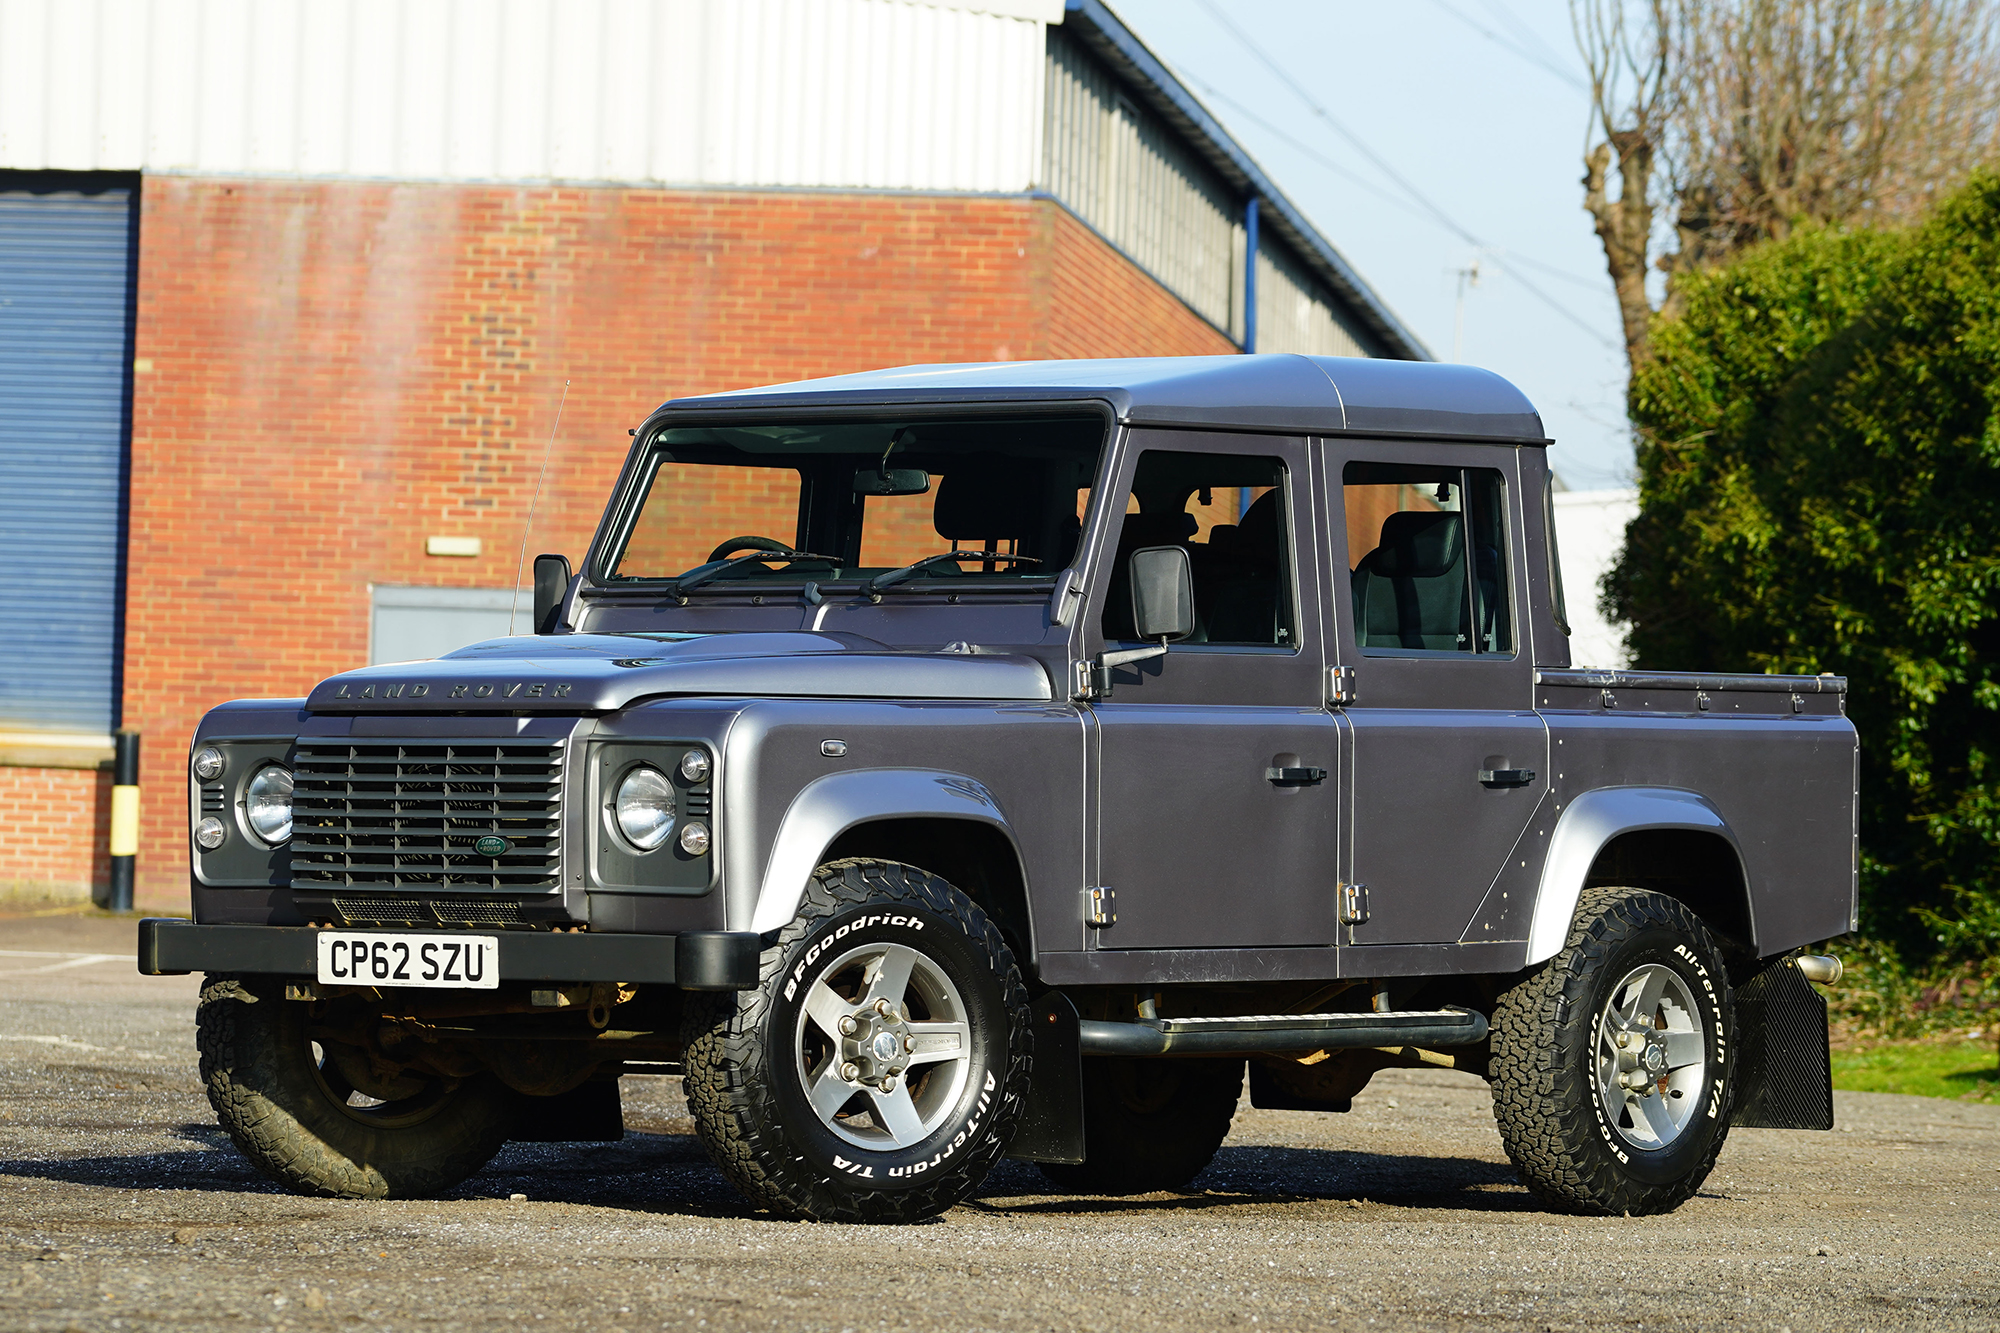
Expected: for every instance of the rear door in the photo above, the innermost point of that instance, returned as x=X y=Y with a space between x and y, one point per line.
x=1450 y=758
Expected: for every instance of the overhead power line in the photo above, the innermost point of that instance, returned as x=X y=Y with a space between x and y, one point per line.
x=1540 y=59
x=1301 y=146
x=1437 y=214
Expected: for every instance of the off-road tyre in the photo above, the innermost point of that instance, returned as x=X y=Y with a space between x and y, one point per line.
x=1149 y=1125
x=288 y=1116
x=1553 y=1119
x=745 y=1092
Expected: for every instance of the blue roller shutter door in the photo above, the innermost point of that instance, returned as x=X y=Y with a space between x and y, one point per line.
x=65 y=338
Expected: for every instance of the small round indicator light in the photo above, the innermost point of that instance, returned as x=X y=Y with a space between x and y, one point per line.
x=209 y=833
x=694 y=839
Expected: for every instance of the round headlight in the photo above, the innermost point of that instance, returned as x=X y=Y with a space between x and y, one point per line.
x=208 y=834
x=267 y=803
x=694 y=839
x=694 y=765
x=645 y=807
x=208 y=763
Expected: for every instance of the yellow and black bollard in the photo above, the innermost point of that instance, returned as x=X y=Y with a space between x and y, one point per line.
x=124 y=820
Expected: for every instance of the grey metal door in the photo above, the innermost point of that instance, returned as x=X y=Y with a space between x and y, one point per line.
x=1450 y=759
x=1202 y=847
x=65 y=301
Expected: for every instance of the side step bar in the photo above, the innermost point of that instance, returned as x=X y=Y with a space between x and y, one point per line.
x=1281 y=1032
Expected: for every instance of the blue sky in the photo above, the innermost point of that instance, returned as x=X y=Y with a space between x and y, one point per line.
x=1480 y=107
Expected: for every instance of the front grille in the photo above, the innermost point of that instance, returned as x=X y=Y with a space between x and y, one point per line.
x=406 y=814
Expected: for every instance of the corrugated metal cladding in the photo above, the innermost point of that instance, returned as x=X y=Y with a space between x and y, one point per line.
x=883 y=94
x=1127 y=175
x=1121 y=172
x=1293 y=312
x=65 y=303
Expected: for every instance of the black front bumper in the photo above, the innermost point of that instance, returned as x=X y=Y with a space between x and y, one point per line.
x=692 y=960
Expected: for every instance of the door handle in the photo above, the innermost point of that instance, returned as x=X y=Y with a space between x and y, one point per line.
x=1295 y=777
x=1506 y=777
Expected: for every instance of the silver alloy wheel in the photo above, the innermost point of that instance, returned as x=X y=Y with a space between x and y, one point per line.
x=883 y=1047
x=1652 y=1057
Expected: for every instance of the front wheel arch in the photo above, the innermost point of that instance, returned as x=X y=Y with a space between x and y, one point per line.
x=976 y=858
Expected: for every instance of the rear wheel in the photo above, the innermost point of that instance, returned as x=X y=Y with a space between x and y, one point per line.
x=1611 y=1062
x=316 y=1118
x=876 y=1073
x=1149 y=1124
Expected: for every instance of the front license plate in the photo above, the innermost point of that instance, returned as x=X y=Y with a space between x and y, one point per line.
x=379 y=958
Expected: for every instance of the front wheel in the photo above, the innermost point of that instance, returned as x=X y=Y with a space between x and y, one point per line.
x=1611 y=1062
x=876 y=1073
x=318 y=1119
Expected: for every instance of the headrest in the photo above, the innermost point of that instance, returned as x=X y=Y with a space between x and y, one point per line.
x=981 y=501
x=1417 y=543
x=1156 y=529
x=1259 y=530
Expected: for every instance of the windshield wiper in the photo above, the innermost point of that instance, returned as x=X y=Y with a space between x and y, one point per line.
x=700 y=574
x=895 y=576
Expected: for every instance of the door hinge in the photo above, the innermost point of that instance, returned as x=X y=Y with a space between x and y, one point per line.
x=1340 y=685
x=1100 y=907
x=1354 y=904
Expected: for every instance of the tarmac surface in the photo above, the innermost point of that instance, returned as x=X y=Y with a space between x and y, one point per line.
x=122 y=1206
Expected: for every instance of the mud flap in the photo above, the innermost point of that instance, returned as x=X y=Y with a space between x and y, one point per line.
x=590 y=1112
x=1784 y=1076
x=1051 y=1127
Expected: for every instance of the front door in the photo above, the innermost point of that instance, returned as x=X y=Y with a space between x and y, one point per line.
x=1450 y=758
x=1213 y=830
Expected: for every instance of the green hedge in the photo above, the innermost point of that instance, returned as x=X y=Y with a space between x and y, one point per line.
x=1819 y=474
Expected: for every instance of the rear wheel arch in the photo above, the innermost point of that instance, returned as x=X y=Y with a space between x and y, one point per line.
x=1665 y=840
x=1700 y=869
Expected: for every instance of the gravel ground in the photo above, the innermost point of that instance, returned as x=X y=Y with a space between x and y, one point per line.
x=122 y=1206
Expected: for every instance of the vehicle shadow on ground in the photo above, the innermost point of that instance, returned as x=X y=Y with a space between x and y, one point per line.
x=670 y=1174
x=1251 y=1175
x=209 y=1162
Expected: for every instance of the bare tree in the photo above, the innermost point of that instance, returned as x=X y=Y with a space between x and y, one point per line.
x=1741 y=119
x=1631 y=91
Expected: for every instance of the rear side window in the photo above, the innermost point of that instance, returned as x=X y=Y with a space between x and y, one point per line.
x=1426 y=554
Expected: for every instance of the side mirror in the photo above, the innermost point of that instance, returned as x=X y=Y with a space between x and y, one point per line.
x=551 y=582
x=892 y=481
x=1162 y=593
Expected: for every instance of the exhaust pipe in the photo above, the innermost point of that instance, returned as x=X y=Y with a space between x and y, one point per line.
x=1819 y=967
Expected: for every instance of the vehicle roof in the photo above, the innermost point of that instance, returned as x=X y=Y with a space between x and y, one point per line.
x=1319 y=395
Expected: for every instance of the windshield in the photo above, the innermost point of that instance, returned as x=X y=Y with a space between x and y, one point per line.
x=861 y=499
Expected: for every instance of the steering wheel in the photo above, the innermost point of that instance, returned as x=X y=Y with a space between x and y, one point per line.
x=748 y=543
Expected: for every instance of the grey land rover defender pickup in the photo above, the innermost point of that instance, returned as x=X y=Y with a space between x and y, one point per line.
x=952 y=762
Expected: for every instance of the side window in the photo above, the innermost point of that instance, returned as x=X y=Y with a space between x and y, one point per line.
x=1426 y=547
x=1229 y=512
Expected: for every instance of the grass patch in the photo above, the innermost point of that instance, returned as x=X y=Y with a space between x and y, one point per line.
x=1966 y=1070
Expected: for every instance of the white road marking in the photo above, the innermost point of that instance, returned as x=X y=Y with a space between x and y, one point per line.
x=69 y=960
x=72 y=1044
x=43 y=953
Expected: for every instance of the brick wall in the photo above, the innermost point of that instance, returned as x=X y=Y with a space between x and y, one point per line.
x=331 y=372
x=58 y=820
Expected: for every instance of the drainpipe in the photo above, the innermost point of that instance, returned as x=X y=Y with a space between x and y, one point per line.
x=1250 y=275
